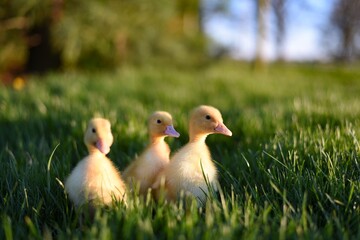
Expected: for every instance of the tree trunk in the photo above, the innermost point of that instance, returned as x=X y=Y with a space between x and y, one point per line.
x=346 y=20
x=41 y=56
x=279 y=11
x=261 y=11
x=190 y=16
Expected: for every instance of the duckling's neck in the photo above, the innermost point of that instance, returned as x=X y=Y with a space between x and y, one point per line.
x=93 y=150
x=154 y=140
x=197 y=138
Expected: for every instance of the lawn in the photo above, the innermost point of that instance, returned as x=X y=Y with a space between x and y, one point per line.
x=290 y=170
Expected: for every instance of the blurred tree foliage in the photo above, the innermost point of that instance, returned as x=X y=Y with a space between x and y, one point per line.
x=16 y=17
x=98 y=33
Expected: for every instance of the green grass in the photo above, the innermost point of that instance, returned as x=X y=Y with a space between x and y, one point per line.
x=290 y=170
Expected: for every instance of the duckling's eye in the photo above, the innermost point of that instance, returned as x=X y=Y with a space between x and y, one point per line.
x=208 y=117
x=158 y=121
x=94 y=130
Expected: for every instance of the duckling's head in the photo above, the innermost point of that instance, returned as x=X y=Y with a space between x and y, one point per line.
x=98 y=136
x=161 y=125
x=205 y=120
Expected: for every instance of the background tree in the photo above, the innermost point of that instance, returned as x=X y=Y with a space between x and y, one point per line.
x=22 y=27
x=45 y=34
x=280 y=14
x=262 y=7
x=185 y=32
x=345 y=19
x=188 y=13
x=108 y=33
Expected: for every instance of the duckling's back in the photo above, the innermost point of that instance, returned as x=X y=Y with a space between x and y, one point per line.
x=144 y=169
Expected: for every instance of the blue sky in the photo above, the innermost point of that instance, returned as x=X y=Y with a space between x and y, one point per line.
x=304 y=40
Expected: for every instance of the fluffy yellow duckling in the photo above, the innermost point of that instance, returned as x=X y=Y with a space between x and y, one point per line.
x=191 y=163
x=143 y=170
x=95 y=180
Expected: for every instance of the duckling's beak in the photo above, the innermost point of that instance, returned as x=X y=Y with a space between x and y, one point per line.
x=102 y=146
x=170 y=131
x=222 y=129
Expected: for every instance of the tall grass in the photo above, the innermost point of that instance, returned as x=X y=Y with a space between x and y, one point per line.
x=291 y=169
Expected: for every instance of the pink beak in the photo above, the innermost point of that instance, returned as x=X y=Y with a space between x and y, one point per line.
x=102 y=146
x=222 y=129
x=170 y=131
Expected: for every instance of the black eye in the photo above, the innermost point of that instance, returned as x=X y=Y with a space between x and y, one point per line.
x=208 y=117
x=158 y=121
x=94 y=130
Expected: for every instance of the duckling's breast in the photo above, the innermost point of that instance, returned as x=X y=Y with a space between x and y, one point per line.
x=193 y=169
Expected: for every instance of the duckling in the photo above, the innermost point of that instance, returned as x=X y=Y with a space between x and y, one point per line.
x=143 y=170
x=95 y=180
x=189 y=167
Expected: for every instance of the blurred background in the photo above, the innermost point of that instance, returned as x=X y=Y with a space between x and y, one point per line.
x=37 y=36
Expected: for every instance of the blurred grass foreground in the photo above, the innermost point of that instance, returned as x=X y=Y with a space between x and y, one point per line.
x=291 y=169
